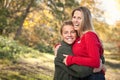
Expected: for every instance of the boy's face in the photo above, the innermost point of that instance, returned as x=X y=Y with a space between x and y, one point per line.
x=68 y=34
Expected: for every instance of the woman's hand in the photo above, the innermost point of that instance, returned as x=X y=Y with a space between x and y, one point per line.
x=56 y=48
x=65 y=59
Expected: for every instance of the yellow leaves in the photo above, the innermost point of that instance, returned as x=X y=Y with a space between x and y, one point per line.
x=38 y=18
x=49 y=15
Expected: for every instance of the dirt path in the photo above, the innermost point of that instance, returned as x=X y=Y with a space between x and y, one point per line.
x=112 y=73
x=46 y=66
x=113 y=69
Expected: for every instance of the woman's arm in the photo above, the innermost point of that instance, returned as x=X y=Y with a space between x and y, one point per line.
x=93 y=58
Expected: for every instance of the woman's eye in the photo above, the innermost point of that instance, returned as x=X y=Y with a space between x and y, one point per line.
x=73 y=17
x=79 y=17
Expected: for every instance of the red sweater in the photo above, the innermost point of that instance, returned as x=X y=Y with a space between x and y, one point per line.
x=87 y=51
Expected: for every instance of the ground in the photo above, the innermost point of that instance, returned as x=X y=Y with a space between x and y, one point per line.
x=113 y=69
x=45 y=65
x=112 y=73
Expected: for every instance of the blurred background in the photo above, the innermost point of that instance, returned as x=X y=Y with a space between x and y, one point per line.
x=29 y=29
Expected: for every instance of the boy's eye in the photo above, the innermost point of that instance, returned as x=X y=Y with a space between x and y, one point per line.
x=65 y=32
x=72 y=31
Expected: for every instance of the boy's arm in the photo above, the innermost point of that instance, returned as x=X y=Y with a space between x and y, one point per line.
x=80 y=71
x=74 y=70
x=103 y=59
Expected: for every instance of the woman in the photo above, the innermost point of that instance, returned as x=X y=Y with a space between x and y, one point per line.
x=87 y=48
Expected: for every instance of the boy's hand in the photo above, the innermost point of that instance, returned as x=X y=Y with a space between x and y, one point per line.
x=104 y=68
x=95 y=70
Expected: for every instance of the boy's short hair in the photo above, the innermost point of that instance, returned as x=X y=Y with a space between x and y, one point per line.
x=68 y=22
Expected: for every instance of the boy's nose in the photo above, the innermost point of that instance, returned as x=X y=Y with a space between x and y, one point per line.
x=69 y=34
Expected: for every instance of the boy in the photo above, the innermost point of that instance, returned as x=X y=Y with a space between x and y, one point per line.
x=73 y=72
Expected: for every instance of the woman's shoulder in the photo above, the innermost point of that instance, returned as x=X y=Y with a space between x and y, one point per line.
x=90 y=33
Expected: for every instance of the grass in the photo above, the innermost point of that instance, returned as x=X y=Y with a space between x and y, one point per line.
x=18 y=62
x=28 y=68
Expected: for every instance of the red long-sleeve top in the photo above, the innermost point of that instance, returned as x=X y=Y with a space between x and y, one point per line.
x=87 y=51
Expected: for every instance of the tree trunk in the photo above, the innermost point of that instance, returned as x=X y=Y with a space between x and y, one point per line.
x=19 y=30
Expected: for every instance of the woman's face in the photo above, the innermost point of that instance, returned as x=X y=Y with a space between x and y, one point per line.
x=68 y=34
x=77 y=19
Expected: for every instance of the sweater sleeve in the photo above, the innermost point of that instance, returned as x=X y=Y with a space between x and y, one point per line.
x=74 y=70
x=103 y=59
x=93 y=59
x=80 y=71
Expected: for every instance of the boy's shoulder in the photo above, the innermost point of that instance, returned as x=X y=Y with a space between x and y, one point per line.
x=64 y=49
